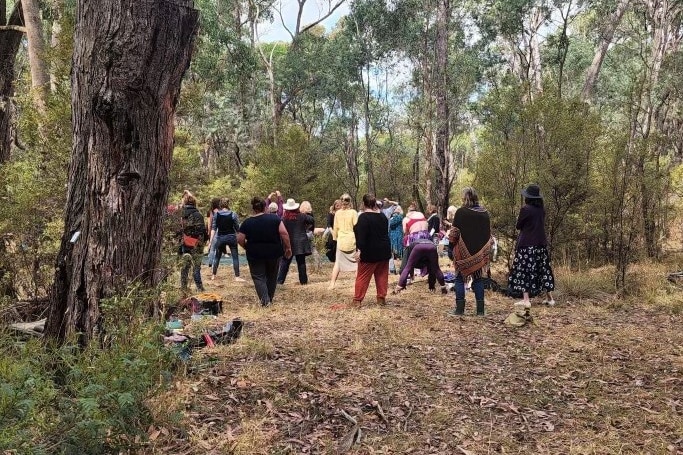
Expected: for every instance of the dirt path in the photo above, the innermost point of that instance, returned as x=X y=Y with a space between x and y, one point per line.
x=585 y=378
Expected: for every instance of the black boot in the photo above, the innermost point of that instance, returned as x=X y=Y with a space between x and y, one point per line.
x=459 y=308
x=480 y=308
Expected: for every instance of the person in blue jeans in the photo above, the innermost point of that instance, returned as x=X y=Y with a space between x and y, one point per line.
x=224 y=229
x=471 y=240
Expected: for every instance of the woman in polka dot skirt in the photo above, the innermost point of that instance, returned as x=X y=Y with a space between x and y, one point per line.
x=531 y=273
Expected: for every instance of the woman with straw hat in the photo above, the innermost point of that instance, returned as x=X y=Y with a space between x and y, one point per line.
x=297 y=225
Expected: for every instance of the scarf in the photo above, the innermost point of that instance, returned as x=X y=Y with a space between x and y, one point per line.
x=465 y=262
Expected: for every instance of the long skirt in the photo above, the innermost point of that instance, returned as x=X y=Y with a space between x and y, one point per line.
x=531 y=271
x=346 y=261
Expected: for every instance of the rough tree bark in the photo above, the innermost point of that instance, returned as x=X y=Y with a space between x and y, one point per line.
x=129 y=59
x=10 y=39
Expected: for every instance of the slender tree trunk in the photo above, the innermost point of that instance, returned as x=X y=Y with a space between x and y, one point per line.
x=607 y=37
x=55 y=37
x=40 y=77
x=368 y=141
x=537 y=21
x=9 y=47
x=443 y=152
x=127 y=70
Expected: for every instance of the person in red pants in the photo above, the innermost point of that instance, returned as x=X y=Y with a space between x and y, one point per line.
x=373 y=251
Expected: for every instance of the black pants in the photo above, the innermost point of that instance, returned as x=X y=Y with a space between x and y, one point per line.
x=264 y=275
x=300 y=265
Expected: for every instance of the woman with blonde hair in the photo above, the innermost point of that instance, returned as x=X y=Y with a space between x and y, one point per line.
x=342 y=231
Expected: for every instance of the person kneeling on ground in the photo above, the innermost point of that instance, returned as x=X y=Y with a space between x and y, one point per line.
x=422 y=253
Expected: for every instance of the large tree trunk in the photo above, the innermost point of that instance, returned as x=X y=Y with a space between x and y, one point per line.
x=129 y=59
x=442 y=149
x=10 y=39
x=40 y=78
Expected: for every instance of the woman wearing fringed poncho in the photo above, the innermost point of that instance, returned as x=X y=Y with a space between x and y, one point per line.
x=471 y=240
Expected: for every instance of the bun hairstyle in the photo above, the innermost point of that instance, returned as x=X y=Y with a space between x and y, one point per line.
x=369 y=201
x=188 y=198
x=345 y=200
x=258 y=205
x=224 y=203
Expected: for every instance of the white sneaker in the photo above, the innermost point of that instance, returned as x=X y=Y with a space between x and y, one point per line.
x=550 y=302
x=523 y=304
x=240 y=279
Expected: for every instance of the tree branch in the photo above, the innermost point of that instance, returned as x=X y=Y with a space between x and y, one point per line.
x=12 y=28
x=329 y=13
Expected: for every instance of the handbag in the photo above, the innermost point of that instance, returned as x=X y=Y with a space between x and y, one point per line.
x=190 y=242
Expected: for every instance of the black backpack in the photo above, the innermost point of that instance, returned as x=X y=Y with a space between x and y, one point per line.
x=193 y=223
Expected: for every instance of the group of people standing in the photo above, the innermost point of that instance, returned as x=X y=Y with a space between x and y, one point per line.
x=368 y=243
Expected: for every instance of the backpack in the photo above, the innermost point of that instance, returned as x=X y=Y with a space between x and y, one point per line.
x=193 y=223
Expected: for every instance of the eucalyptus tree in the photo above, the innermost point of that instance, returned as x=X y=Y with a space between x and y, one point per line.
x=129 y=60
x=221 y=103
x=11 y=33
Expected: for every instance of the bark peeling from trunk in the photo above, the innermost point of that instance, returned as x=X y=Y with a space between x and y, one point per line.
x=129 y=59
x=9 y=47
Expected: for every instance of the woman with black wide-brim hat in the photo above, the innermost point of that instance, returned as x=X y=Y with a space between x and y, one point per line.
x=531 y=273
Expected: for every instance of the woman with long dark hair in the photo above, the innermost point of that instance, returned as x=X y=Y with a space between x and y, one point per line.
x=531 y=273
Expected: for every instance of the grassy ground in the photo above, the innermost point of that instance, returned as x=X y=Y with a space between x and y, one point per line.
x=595 y=374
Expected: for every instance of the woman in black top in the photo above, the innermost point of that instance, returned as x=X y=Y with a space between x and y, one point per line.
x=531 y=273
x=373 y=251
x=433 y=223
x=297 y=225
x=470 y=236
x=265 y=239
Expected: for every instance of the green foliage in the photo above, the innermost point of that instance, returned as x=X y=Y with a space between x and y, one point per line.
x=33 y=191
x=550 y=142
x=65 y=400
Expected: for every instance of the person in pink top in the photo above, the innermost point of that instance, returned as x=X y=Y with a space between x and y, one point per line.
x=415 y=225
